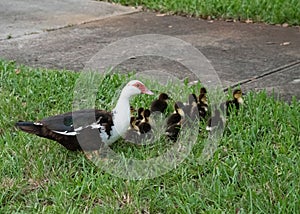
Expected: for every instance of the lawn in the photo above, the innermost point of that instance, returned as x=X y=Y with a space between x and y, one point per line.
x=255 y=168
x=269 y=11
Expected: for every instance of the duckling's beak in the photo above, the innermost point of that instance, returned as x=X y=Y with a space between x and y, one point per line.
x=180 y=112
x=240 y=100
x=170 y=98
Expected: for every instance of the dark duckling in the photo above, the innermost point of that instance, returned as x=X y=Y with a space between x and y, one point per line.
x=139 y=116
x=160 y=104
x=202 y=106
x=226 y=108
x=174 y=122
x=236 y=102
x=144 y=126
x=191 y=107
x=215 y=121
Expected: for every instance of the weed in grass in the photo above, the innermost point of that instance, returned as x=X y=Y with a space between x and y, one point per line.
x=254 y=169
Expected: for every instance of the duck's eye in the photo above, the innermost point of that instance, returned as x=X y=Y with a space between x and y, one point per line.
x=138 y=85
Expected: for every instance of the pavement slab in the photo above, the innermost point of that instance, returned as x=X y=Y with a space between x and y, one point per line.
x=237 y=51
x=285 y=82
x=19 y=17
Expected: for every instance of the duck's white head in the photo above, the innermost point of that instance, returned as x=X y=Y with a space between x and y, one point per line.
x=135 y=87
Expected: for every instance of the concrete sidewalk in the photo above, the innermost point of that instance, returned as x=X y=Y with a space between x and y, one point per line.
x=19 y=17
x=256 y=55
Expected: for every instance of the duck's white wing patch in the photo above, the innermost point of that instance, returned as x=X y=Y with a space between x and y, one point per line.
x=66 y=133
x=77 y=130
x=38 y=124
x=95 y=126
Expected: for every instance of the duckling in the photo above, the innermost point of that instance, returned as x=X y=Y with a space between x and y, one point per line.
x=215 y=121
x=139 y=132
x=192 y=99
x=202 y=91
x=160 y=104
x=235 y=102
x=226 y=108
x=144 y=126
x=133 y=125
x=174 y=122
x=139 y=116
x=133 y=133
x=191 y=107
x=202 y=105
x=132 y=111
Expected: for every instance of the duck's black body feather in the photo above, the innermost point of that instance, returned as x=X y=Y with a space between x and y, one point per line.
x=73 y=127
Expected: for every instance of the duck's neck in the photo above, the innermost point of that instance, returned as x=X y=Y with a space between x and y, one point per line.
x=122 y=114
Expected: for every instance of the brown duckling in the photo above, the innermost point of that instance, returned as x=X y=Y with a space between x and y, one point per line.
x=132 y=110
x=202 y=106
x=139 y=116
x=133 y=124
x=139 y=131
x=202 y=91
x=226 y=107
x=144 y=126
x=133 y=133
x=174 y=122
x=235 y=103
x=191 y=107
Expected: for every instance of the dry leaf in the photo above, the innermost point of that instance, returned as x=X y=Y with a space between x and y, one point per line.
x=161 y=14
x=249 y=21
x=229 y=20
x=17 y=70
x=285 y=43
x=285 y=25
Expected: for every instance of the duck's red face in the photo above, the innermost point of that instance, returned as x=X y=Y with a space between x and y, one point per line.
x=142 y=88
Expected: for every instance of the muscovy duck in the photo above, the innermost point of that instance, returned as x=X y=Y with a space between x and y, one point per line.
x=88 y=129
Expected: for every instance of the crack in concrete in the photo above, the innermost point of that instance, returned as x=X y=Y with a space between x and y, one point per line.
x=264 y=74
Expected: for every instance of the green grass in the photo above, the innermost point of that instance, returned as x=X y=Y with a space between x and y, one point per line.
x=255 y=168
x=269 y=11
